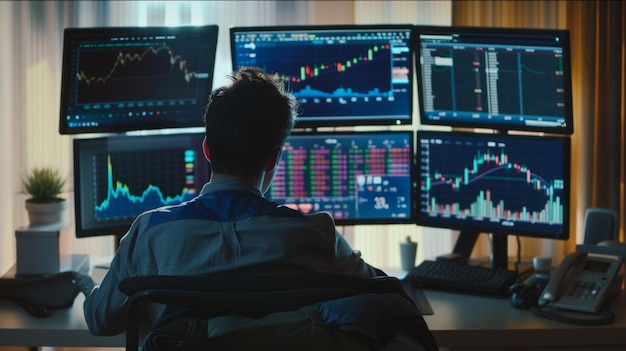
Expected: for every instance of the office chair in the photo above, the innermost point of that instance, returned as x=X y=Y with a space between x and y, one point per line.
x=249 y=298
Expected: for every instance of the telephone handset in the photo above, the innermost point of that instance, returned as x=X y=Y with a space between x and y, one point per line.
x=555 y=286
x=582 y=282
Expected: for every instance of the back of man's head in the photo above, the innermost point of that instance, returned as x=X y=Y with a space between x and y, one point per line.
x=247 y=120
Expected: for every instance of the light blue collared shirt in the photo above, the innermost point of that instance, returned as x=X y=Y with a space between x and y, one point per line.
x=229 y=225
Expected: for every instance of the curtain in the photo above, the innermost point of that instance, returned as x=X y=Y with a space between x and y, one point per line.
x=598 y=63
x=607 y=44
x=32 y=33
x=7 y=106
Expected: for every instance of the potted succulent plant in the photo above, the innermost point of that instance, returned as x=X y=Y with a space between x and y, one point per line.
x=45 y=206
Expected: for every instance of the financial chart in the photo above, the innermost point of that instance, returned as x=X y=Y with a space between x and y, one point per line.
x=339 y=76
x=506 y=182
x=122 y=79
x=354 y=176
x=504 y=79
x=143 y=71
x=132 y=183
x=119 y=177
x=496 y=83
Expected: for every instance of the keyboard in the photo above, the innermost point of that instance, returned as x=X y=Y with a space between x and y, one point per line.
x=459 y=277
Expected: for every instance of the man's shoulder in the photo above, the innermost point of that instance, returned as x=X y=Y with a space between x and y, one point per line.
x=323 y=220
x=321 y=216
x=220 y=206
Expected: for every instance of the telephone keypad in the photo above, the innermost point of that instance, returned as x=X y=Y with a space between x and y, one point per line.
x=585 y=290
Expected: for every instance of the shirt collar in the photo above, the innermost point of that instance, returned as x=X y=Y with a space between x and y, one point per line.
x=229 y=184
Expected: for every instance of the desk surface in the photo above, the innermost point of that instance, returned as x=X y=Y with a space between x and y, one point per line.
x=64 y=327
x=459 y=321
x=464 y=321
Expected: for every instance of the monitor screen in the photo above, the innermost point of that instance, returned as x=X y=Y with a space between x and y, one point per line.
x=342 y=75
x=494 y=183
x=357 y=177
x=117 y=79
x=504 y=79
x=118 y=177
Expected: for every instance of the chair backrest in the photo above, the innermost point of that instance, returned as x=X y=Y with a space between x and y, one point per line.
x=255 y=295
x=601 y=224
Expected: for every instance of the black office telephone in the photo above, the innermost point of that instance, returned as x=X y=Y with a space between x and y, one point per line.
x=585 y=280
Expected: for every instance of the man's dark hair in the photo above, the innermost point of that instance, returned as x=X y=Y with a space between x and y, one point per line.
x=248 y=119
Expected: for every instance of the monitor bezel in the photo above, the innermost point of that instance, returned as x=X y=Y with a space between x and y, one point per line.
x=352 y=121
x=117 y=228
x=490 y=32
x=422 y=219
x=374 y=221
x=70 y=35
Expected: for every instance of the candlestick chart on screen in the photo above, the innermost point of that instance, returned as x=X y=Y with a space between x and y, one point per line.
x=507 y=183
x=341 y=76
x=355 y=70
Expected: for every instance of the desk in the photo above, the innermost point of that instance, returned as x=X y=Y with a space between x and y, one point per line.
x=459 y=322
x=65 y=327
x=464 y=322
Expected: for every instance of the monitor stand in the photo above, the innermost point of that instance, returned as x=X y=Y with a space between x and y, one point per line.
x=465 y=245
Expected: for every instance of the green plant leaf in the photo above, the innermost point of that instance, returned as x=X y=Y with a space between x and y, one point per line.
x=43 y=184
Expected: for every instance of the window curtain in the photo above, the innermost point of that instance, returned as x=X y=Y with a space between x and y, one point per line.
x=32 y=33
x=599 y=93
x=29 y=106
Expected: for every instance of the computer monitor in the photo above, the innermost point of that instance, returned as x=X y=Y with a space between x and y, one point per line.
x=494 y=183
x=342 y=74
x=496 y=78
x=118 y=177
x=118 y=79
x=357 y=177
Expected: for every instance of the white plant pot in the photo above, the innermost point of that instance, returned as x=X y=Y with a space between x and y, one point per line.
x=45 y=213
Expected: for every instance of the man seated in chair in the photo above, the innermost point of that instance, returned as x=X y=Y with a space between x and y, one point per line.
x=229 y=225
